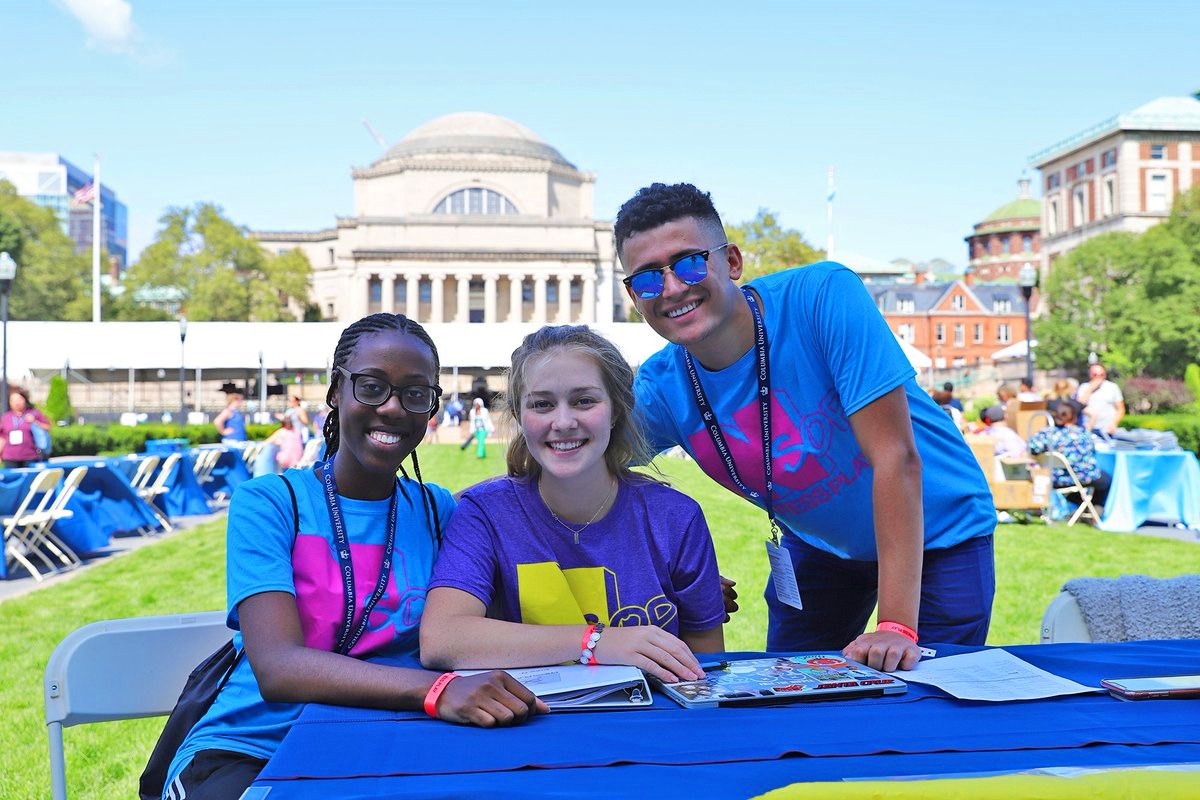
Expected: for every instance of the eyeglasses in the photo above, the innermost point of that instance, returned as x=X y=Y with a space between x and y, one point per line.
x=372 y=391
x=690 y=269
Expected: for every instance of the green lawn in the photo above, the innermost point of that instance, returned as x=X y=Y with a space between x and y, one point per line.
x=185 y=572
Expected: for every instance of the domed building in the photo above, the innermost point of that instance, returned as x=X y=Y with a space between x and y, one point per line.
x=470 y=218
x=1007 y=239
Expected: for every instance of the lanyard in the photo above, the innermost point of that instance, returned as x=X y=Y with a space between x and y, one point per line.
x=764 y=404
x=346 y=566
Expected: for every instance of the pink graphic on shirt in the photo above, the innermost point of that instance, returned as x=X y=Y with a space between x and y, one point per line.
x=321 y=598
x=814 y=453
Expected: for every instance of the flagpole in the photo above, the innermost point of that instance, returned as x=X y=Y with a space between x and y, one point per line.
x=829 y=218
x=96 y=241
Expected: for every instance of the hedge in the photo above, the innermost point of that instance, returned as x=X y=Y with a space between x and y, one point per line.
x=1186 y=427
x=90 y=440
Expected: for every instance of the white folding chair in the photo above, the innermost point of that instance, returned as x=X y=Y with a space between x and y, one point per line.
x=251 y=451
x=122 y=669
x=158 y=487
x=1063 y=621
x=1055 y=460
x=41 y=532
x=145 y=469
x=205 y=461
x=312 y=449
x=19 y=544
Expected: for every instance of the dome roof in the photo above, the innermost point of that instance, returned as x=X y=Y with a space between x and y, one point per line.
x=473 y=133
x=1021 y=208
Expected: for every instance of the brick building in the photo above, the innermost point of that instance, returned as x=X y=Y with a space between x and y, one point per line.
x=1119 y=175
x=956 y=324
x=1007 y=239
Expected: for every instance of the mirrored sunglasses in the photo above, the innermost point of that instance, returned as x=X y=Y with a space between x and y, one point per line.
x=648 y=283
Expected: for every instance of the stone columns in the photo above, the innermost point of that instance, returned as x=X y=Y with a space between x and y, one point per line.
x=587 y=311
x=437 y=298
x=516 y=297
x=489 y=298
x=564 y=299
x=462 y=313
x=387 y=294
x=412 y=301
x=539 y=299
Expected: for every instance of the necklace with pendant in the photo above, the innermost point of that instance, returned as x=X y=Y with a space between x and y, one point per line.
x=577 y=531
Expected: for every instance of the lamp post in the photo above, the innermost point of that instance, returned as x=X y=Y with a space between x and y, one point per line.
x=1027 y=280
x=182 y=390
x=8 y=271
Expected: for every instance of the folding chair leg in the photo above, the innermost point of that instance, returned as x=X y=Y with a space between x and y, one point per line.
x=14 y=554
x=163 y=519
x=61 y=549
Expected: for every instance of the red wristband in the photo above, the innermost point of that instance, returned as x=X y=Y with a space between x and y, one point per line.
x=435 y=692
x=896 y=627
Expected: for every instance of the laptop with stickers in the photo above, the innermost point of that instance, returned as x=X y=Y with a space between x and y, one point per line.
x=782 y=679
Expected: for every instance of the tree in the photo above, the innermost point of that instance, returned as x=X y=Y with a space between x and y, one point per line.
x=221 y=272
x=58 y=402
x=767 y=247
x=53 y=281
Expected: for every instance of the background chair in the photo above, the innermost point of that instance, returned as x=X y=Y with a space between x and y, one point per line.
x=40 y=531
x=151 y=491
x=19 y=542
x=145 y=469
x=123 y=669
x=1063 y=621
x=1035 y=421
x=1076 y=491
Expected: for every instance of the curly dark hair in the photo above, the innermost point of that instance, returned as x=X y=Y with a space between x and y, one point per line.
x=658 y=204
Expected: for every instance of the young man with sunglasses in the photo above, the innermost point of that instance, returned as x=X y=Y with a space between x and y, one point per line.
x=793 y=393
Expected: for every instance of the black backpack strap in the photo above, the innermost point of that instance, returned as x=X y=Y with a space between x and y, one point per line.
x=295 y=507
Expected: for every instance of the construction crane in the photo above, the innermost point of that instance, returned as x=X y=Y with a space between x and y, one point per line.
x=374 y=133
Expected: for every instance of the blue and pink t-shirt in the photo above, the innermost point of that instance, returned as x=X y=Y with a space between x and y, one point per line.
x=261 y=556
x=649 y=561
x=831 y=354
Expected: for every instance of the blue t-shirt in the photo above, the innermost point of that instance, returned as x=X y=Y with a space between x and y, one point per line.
x=261 y=556
x=237 y=423
x=831 y=354
x=649 y=561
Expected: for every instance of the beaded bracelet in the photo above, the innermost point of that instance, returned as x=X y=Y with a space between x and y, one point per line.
x=896 y=627
x=435 y=692
x=591 y=637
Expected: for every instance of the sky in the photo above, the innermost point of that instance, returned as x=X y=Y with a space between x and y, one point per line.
x=928 y=111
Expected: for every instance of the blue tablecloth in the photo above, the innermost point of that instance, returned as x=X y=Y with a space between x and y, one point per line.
x=738 y=752
x=114 y=503
x=83 y=531
x=183 y=497
x=1162 y=485
x=229 y=473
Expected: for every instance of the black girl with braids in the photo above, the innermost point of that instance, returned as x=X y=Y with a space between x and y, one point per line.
x=290 y=541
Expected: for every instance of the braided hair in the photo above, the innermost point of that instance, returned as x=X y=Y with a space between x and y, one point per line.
x=378 y=323
x=374 y=323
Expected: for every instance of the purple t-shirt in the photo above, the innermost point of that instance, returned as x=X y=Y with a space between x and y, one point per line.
x=649 y=561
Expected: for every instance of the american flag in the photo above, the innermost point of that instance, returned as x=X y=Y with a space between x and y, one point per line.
x=87 y=194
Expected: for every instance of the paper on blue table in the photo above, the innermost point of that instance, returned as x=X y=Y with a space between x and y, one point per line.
x=994 y=675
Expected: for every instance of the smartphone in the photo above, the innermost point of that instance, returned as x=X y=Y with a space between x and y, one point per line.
x=1170 y=686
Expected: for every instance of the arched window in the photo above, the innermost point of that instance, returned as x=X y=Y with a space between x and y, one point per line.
x=475 y=200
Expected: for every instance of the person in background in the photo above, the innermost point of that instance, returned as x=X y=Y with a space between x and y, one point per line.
x=298 y=414
x=1070 y=439
x=1009 y=443
x=283 y=561
x=1027 y=394
x=454 y=412
x=1103 y=401
x=288 y=440
x=16 y=427
x=573 y=545
x=480 y=423
x=231 y=422
x=951 y=400
x=1062 y=391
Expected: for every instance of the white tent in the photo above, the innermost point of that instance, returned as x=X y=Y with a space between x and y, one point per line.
x=915 y=357
x=1014 y=352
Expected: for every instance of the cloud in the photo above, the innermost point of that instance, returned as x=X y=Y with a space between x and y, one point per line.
x=109 y=23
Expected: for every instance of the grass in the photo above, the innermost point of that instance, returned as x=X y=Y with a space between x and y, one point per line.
x=185 y=572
